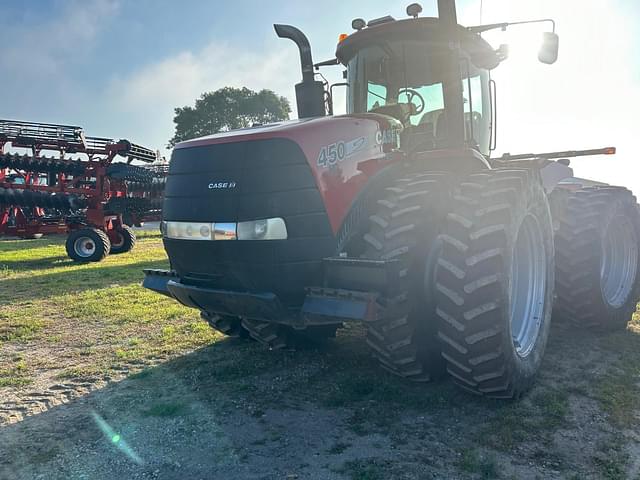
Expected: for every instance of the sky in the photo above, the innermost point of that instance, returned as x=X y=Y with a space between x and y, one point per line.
x=118 y=68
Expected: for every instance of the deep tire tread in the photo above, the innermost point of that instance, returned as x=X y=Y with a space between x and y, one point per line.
x=410 y=213
x=472 y=308
x=580 y=218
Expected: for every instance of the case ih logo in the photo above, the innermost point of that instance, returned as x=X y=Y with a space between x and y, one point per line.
x=221 y=185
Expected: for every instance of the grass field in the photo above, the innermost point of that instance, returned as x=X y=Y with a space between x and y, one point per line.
x=194 y=404
x=97 y=312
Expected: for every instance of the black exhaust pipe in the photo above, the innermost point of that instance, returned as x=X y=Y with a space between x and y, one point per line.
x=310 y=92
x=447 y=12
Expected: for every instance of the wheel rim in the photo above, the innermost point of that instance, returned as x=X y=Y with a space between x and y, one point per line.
x=119 y=242
x=528 y=286
x=619 y=261
x=84 y=247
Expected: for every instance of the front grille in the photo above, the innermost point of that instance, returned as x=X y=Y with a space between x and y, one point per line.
x=272 y=179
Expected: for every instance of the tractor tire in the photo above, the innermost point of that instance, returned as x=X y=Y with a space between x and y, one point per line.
x=597 y=258
x=276 y=336
x=495 y=282
x=88 y=245
x=126 y=240
x=405 y=227
x=230 y=326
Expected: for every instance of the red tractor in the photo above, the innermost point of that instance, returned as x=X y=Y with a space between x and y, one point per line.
x=396 y=215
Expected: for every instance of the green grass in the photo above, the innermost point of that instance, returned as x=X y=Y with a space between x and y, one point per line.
x=611 y=459
x=15 y=373
x=617 y=388
x=536 y=417
x=365 y=469
x=165 y=410
x=338 y=448
x=97 y=312
x=472 y=461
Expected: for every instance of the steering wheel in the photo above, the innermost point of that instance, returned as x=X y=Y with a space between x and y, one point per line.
x=411 y=94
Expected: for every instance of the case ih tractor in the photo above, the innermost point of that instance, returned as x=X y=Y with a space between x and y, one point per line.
x=395 y=215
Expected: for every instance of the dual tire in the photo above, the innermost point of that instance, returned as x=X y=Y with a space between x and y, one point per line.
x=474 y=291
x=597 y=257
x=495 y=282
x=93 y=245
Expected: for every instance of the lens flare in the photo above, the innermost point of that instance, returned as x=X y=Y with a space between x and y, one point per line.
x=116 y=439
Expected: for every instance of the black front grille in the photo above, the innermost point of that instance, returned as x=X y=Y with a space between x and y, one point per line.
x=272 y=179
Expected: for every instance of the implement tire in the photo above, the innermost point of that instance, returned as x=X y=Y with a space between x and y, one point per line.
x=87 y=245
x=495 y=282
x=597 y=258
x=405 y=227
x=126 y=240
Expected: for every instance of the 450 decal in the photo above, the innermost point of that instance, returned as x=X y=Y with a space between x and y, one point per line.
x=336 y=152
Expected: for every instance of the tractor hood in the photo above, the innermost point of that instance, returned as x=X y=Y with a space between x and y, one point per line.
x=338 y=154
x=301 y=129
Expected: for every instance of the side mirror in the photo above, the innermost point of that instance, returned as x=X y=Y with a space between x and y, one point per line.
x=503 y=52
x=549 y=49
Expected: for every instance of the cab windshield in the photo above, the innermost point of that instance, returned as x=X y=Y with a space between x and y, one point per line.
x=405 y=79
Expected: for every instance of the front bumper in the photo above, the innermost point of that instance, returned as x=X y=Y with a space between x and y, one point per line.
x=350 y=292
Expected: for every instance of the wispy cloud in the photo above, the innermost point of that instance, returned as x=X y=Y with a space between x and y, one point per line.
x=44 y=56
x=148 y=96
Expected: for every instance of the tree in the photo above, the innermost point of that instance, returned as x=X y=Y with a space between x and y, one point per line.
x=226 y=109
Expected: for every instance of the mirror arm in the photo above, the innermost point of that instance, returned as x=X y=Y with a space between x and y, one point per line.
x=503 y=26
x=326 y=63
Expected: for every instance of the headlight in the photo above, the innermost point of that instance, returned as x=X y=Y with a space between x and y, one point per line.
x=267 y=229
x=188 y=230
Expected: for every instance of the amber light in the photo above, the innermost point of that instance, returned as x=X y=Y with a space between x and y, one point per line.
x=342 y=37
x=610 y=151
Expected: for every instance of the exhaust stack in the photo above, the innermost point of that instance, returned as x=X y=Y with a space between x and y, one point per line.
x=309 y=92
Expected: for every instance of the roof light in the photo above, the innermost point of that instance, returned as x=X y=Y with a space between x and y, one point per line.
x=414 y=10
x=358 y=24
x=380 y=21
x=342 y=37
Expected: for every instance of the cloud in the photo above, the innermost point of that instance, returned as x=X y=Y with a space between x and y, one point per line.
x=42 y=55
x=148 y=96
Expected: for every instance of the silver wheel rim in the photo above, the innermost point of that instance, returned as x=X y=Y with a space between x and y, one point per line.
x=528 y=286
x=84 y=247
x=619 y=261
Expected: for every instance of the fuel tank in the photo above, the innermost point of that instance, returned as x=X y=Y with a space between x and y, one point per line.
x=308 y=172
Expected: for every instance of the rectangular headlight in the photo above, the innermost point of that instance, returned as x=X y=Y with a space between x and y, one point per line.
x=188 y=230
x=267 y=229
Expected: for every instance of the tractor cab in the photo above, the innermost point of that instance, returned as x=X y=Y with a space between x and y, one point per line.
x=430 y=73
x=432 y=78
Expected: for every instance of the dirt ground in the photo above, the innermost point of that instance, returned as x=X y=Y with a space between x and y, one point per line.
x=219 y=408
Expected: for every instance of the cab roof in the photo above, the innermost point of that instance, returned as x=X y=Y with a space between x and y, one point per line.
x=426 y=29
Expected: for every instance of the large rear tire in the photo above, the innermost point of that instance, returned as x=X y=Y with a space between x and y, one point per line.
x=598 y=262
x=495 y=282
x=405 y=227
